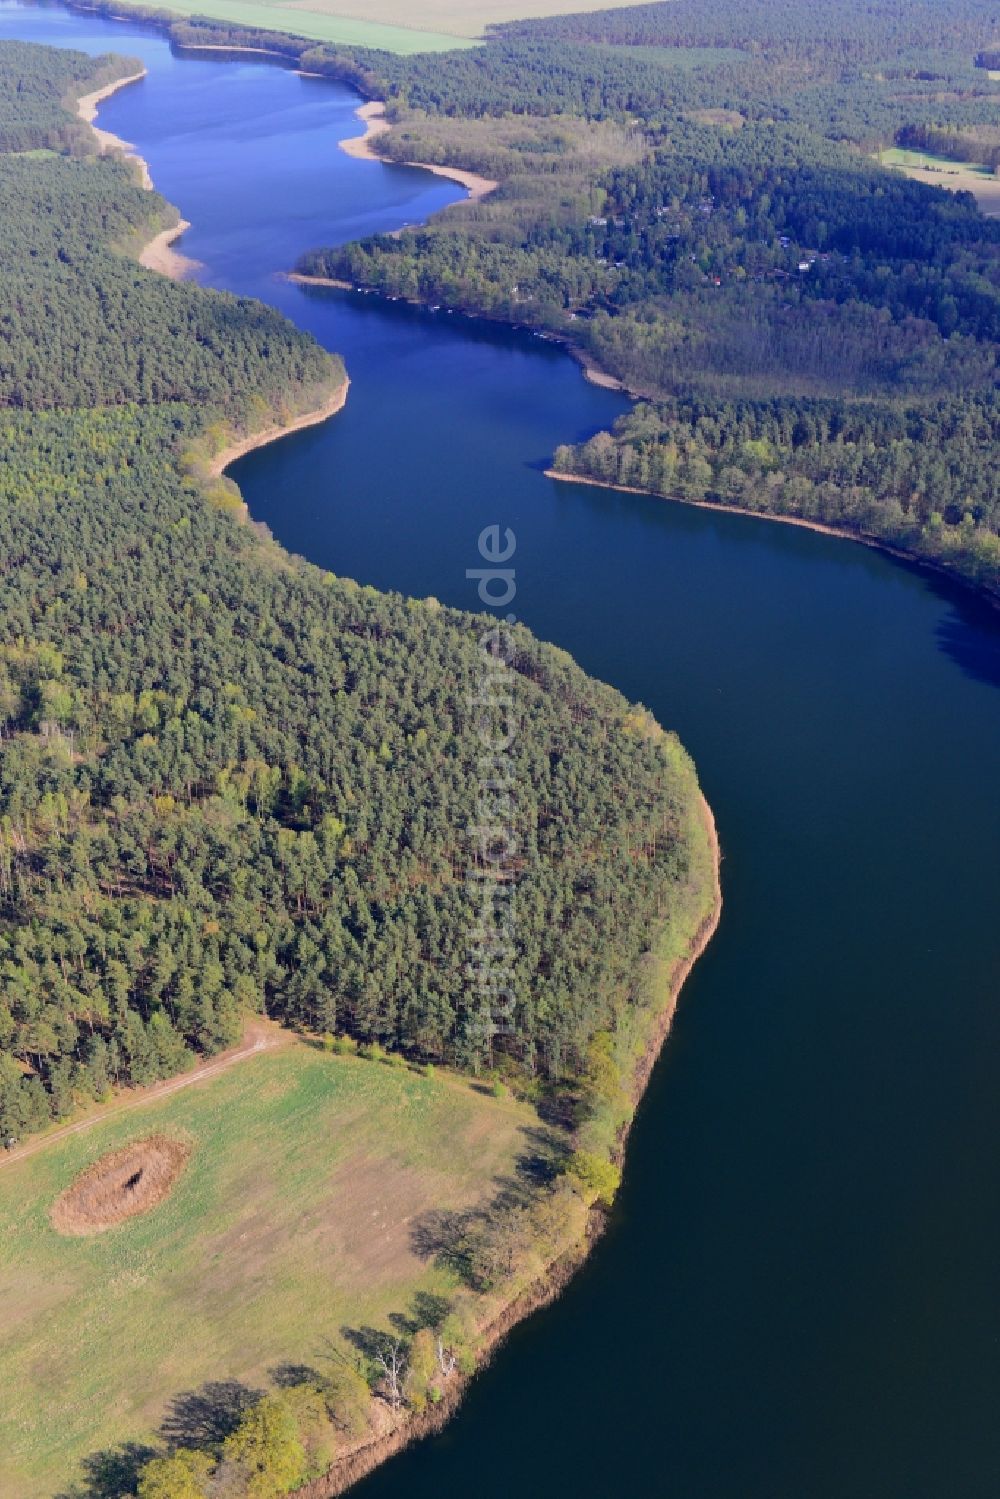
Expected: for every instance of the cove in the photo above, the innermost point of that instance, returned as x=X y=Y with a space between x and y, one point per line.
x=796 y=1298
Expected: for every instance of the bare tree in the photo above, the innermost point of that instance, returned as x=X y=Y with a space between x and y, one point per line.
x=446 y=1359
x=391 y=1359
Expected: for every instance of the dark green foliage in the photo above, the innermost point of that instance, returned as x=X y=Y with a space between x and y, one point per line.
x=36 y=84
x=230 y=782
x=82 y=326
x=837 y=32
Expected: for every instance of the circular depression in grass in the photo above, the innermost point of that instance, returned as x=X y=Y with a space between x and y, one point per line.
x=122 y=1184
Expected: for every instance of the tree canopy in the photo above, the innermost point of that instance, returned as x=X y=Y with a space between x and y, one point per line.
x=230 y=782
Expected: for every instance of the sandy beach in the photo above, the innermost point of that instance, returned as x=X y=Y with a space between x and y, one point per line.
x=375 y=123
x=242 y=445
x=86 y=108
x=158 y=253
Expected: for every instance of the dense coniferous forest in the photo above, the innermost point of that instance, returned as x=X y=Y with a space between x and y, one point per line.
x=225 y=785
x=34 y=85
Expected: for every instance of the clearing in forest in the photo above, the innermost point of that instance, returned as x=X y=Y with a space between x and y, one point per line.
x=403 y=26
x=940 y=171
x=285 y=1204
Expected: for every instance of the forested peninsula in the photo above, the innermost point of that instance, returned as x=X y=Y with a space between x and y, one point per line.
x=225 y=788
x=233 y=785
x=691 y=194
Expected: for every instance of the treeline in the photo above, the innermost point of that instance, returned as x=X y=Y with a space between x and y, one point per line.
x=980 y=147
x=918 y=477
x=841 y=31
x=33 y=96
x=224 y=787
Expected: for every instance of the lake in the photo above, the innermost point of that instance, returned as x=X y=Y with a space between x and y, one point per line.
x=797 y=1294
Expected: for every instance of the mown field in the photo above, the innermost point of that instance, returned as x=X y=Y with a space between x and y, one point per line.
x=419 y=26
x=293 y=1222
x=323 y=22
x=939 y=171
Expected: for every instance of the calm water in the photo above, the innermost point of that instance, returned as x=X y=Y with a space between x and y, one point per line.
x=798 y=1296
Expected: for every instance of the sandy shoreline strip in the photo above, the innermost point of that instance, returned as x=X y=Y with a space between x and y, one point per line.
x=158 y=253
x=375 y=123
x=243 y=445
x=86 y=108
x=301 y=280
x=684 y=966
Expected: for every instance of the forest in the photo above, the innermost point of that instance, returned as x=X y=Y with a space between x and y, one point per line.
x=224 y=788
x=720 y=230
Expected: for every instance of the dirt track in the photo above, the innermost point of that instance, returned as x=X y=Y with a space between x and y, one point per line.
x=261 y=1035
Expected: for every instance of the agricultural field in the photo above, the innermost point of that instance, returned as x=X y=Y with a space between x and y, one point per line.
x=298 y=1182
x=420 y=26
x=939 y=171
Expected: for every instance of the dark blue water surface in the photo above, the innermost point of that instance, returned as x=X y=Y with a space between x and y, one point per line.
x=797 y=1298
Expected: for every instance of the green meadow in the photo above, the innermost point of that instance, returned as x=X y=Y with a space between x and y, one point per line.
x=292 y=1222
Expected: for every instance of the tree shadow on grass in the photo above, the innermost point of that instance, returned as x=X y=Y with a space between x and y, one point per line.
x=443 y=1235
x=426 y=1310
x=113 y=1474
x=205 y=1418
x=294 y=1376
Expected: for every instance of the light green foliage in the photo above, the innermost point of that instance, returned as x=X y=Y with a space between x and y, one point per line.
x=601 y=1073
x=184 y=1475
x=459 y=1333
x=348 y=1398
x=597 y=1177
x=266 y=1449
x=422 y=1368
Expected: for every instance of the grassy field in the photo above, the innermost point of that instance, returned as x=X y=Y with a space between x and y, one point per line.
x=291 y=1222
x=939 y=171
x=321 y=24
x=417 y=26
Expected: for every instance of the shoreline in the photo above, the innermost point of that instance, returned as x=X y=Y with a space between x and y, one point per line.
x=899 y=554
x=399 y=1432
x=683 y=967
x=157 y=254
x=266 y=435
x=377 y=1448
x=591 y=370
x=360 y=147
x=86 y=108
